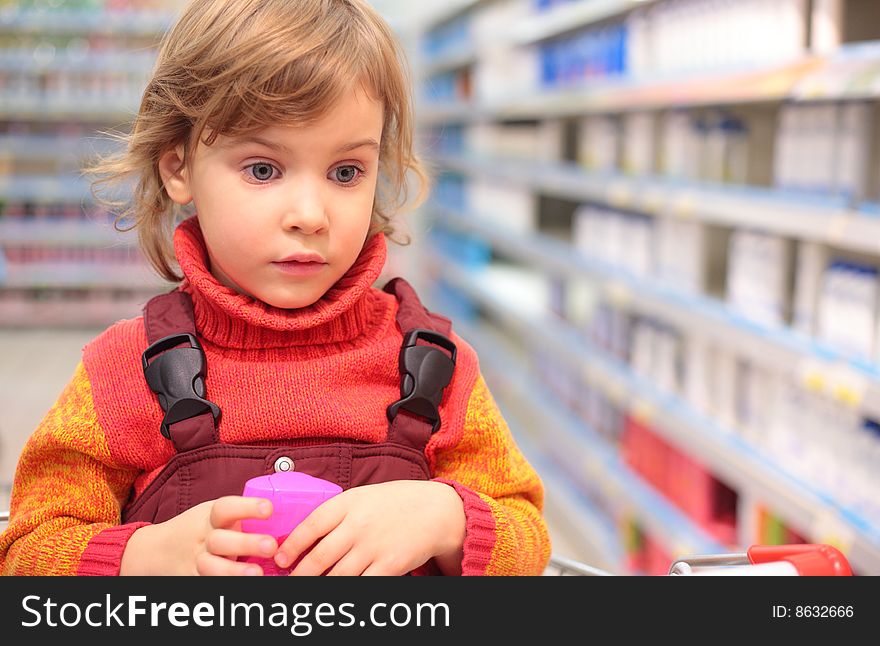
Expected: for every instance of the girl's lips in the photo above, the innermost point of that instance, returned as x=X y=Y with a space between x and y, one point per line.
x=295 y=268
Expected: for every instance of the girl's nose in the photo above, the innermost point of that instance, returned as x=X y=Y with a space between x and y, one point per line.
x=304 y=208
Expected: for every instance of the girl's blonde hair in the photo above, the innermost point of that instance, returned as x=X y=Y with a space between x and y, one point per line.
x=235 y=66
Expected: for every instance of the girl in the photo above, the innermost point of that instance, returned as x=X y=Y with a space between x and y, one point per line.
x=287 y=125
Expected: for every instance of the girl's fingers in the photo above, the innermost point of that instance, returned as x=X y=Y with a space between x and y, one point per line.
x=378 y=569
x=324 y=555
x=318 y=524
x=208 y=564
x=227 y=542
x=227 y=511
x=352 y=564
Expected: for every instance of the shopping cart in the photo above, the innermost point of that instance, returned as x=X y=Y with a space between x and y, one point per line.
x=758 y=560
x=564 y=566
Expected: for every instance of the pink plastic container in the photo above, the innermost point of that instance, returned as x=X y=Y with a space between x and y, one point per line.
x=294 y=495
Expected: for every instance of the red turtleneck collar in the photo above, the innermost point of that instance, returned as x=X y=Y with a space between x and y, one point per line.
x=348 y=311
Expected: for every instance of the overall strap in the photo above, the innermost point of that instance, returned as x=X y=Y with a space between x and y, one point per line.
x=426 y=361
x=174 y=367
x=411 y=314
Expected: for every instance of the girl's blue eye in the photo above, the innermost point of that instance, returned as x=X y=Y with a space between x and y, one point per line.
x=262 y=171
x=346 y=174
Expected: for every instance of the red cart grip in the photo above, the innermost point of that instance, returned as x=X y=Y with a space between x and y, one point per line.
x=807 y=559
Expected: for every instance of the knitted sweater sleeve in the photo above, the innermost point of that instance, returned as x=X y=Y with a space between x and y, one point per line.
x=502 y=494
x=67 y=494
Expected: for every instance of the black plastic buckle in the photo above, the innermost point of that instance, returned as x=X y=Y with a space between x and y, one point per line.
x=178 y=378
x=426 y=372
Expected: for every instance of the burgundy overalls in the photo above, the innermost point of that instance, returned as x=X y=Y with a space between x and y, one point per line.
x=205 y=468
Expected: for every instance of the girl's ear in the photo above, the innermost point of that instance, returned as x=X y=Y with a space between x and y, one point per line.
x=174 y=175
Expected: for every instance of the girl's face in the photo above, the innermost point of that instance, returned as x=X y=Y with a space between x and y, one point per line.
x=285 y=212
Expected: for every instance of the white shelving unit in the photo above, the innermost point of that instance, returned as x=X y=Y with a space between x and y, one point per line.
x=850 y=73
x=741 y=87
x=820 y=73
x=729 y=456
x=587 y=459
x=855 y=381
x=829 y=220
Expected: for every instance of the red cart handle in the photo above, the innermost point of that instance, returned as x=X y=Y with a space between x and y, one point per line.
x=807 y=559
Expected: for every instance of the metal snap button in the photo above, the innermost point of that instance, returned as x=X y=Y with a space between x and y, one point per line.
x=283 y=464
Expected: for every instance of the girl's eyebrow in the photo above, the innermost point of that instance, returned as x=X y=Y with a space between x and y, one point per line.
x=274 y=145
x=372 y=143
x=233 y=142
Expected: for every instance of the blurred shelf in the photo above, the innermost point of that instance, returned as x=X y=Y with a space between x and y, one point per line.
x=431 y=113
x=33 y=314
x=580 y=518
x=568 y=17
x=585 y=523
x=64 y=21
x=47 y=107
x=626 y=94
x=81 y=275
x=54 y=146
x=731 y=458
x=63 y=232
x=448 y=61
x=851 y=73
x=851 y=380
x=47 y=188
x=819 y=218
x=445 y=11
x=119 y=62
x=562 y=497
x=589 y=461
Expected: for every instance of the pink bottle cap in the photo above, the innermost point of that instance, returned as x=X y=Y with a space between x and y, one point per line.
x=293 y=494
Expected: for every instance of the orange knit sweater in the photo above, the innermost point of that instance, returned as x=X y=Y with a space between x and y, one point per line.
x=329 y=369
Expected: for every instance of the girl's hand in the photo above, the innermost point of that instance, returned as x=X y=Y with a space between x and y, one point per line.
x=389 y=528
x=204 y=540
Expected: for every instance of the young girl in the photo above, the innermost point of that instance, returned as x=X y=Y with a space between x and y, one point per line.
x=287 y=125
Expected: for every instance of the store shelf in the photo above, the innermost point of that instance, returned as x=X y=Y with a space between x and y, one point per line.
x=69 y=74
x=30 y=147
x=588 y=461
x=854 y=381
x=94 y=314
x=594 y=531
x=805 y=217
x=63 y=232
x=562 y=497
x=568 y=17
x=44 y=107
x=851 y=73
x=27 y=62
x=47 y=188
x=431 y=113
x=62 y=21
x=80 y=275
x=621 y=95
x=731 y=458
x=445 y=11
x=849 y=229
x=563 y=501
x=449 y=61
